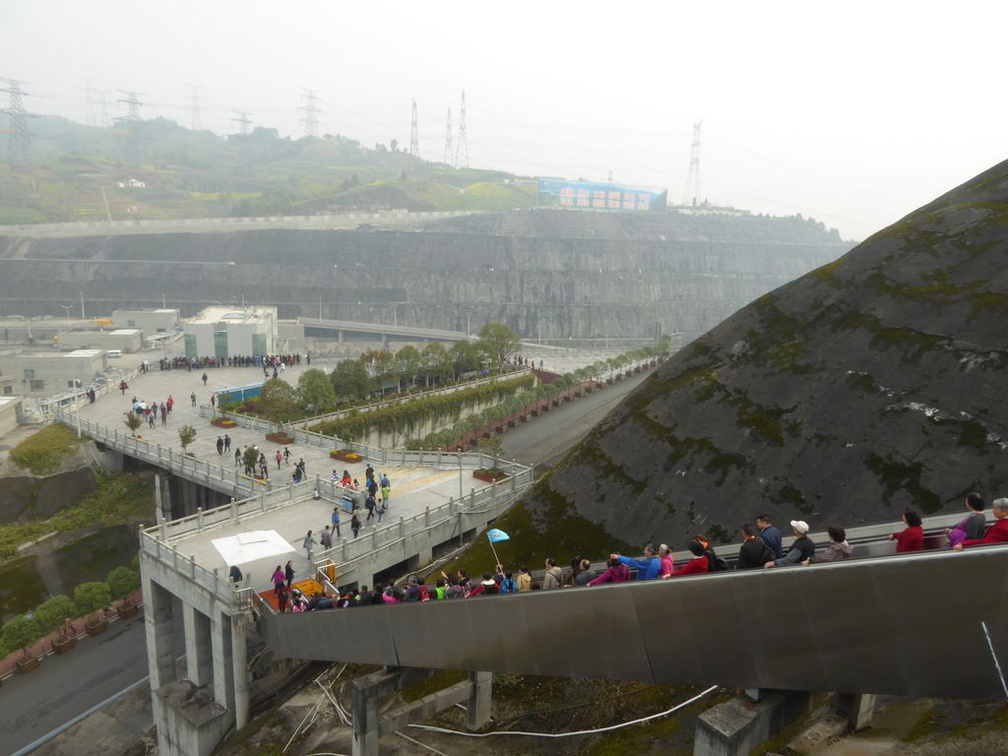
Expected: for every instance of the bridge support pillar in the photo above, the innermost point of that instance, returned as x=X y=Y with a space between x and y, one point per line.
x=856 y=707
x=478 y=712
x=738 y=726
x=199 y=661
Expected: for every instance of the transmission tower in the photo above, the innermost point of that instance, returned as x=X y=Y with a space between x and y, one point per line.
x=414 y=139
x=243 y=121
x=311 y=110
x=449 y=152
x=197 y=123
x=99 y=104
x=132 y=119
x=462 y=155
x=691 y=194
x=19 y=146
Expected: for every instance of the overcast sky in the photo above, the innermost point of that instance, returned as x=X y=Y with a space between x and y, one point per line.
x=853 y=113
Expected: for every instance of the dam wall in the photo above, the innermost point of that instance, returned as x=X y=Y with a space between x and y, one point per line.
x=550 y=275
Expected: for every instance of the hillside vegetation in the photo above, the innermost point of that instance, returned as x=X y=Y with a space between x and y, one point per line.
x=196 y=174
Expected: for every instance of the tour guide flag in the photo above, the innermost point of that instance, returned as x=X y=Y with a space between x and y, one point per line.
x=496 y=536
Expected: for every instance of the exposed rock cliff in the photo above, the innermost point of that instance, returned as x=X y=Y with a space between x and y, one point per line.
x=870 y=384
x=548 y=274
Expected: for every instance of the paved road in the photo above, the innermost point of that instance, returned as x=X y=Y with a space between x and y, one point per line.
x=62 y=688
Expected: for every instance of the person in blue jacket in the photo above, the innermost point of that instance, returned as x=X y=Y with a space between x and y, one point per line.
x=648 y=567
x=770 y=534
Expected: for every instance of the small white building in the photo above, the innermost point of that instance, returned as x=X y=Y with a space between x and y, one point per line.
x=49 y=373
x=123 y=339
x=10 y=414
x=151 y=322
x=224 y=332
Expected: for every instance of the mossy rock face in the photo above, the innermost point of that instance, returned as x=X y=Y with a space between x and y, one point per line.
x=871 y=384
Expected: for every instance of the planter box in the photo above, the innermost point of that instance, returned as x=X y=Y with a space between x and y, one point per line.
x=221 y=422
x=64 y=645
x=281 y=438
x=24 y=666
x=346 y=456
x=126 y=610
x=96 y=627
x=489 y=476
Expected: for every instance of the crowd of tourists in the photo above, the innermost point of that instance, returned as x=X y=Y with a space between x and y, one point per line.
x=240 y=360
x=762 y=548
x=151 y=412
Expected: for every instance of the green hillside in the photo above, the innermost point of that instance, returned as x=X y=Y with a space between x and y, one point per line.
x=79 y=172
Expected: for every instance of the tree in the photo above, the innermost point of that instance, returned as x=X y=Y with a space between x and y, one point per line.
x=122 y=581
x=133 y=422
x=278 y=401
x=21 y=632
x=90 y=597
x=52 y=612
x=499 y=342
x=409 y=361
x=186 y=434
x=464 y=357
x=438 y=363
x=250 y=457
x=316 y=390
x=350 y=379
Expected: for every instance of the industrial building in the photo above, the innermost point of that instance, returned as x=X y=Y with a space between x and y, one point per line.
x=223 y=332
x=151 y=322
x=122 y=339
x=39 y=374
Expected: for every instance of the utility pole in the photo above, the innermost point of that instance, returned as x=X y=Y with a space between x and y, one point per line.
x=449 y=152
x=196 y=124
x=19 y=146
x=243 y=121
x=414 y=140
x=311 y=110
x=462 y=155
x=132 y=119
x=692 y=191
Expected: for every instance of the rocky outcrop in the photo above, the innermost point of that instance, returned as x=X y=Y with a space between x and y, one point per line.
x=25 y=496
x=548 y=274
x=871 y=384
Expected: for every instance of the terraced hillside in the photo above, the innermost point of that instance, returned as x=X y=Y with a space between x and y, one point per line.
x=870 y=384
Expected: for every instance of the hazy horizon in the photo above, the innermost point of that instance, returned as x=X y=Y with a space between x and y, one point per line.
x=854 y=118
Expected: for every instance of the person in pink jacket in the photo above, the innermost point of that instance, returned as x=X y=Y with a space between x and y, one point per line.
x=617 y=572
x=667 y=565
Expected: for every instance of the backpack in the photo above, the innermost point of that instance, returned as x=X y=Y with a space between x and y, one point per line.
x=508 y=585
x=715 y=563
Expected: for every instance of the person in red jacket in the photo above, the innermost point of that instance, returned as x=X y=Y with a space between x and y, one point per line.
x=996 y=533
x=912 y=537
x=698 y=565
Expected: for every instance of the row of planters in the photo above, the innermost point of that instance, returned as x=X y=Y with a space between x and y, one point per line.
x=436 y=408
x=91 y=603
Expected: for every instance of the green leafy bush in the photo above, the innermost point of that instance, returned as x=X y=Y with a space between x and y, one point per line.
x=122 y=581
x=90 y=597
x=51 y=613
x=43 y=452
x=21 y=632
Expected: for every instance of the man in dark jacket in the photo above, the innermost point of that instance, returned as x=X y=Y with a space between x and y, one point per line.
x=754 y=552
x=803 y=548
x=770 y=534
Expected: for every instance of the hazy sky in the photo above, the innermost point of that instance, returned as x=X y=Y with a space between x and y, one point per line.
x=853 y=113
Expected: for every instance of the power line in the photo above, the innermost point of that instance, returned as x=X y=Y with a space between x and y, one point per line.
x=132 y=119
x=692 y=192
x=463 y=141
x=449 y=153
x=414 y=140
x=310 y=120
x=196 y=123
x=19 y=146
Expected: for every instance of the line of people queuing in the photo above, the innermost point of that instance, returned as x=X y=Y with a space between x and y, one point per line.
x=762 y=548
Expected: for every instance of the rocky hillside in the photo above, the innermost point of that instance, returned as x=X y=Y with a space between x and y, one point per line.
x=870 y=384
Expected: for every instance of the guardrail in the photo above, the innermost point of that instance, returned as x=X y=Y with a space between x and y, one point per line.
x=217 y=477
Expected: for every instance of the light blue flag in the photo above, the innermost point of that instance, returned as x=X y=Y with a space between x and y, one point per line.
x=496 y=536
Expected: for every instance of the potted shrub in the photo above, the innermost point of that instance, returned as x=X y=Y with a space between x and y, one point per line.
x=21 y=632
x=54 y=614
x=90 y=598
x=122 y=582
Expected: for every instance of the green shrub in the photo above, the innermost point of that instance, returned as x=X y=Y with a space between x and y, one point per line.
x=122 y=581
x=90 y=597
x=43 y=452
x=51 y=614
x=20 y=632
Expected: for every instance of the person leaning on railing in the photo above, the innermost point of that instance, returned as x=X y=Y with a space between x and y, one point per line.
x=997 y=533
